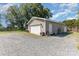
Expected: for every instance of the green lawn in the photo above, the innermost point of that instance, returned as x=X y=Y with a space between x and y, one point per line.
x=11 y=32
x=20 y=33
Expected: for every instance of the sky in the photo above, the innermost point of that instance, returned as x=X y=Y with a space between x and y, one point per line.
x=60 y=11
x=63 y=11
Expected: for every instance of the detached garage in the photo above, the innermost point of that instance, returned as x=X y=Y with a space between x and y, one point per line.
x=42 y=26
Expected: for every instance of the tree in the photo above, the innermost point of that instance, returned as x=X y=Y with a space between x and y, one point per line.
x=0 y=16
x=70 y=23
x=12 y=16
x=19 y=16
x=1 y=26
x=77 y=21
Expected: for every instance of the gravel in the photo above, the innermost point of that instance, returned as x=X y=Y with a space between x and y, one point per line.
x=20 y=44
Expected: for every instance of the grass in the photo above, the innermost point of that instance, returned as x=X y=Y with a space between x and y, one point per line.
x=75 y=34
x=20 y=33
x=2 y=33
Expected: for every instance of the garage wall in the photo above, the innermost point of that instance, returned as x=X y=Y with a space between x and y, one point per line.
x=61 y=27
x=38 y=22
x=55 y=27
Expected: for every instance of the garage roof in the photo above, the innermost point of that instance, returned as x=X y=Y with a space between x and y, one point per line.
x=39 y=18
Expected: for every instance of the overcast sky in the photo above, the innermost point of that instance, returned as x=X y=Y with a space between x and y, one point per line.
x=60 y=12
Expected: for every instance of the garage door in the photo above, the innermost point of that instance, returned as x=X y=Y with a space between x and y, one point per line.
x=36 y=30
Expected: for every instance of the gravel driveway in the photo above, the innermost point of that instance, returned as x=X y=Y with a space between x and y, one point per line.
x=24 y=44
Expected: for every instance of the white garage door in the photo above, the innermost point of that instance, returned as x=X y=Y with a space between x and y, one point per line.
x=36 y=30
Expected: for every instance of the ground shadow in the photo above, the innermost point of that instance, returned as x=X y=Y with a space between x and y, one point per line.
x=62 y=34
